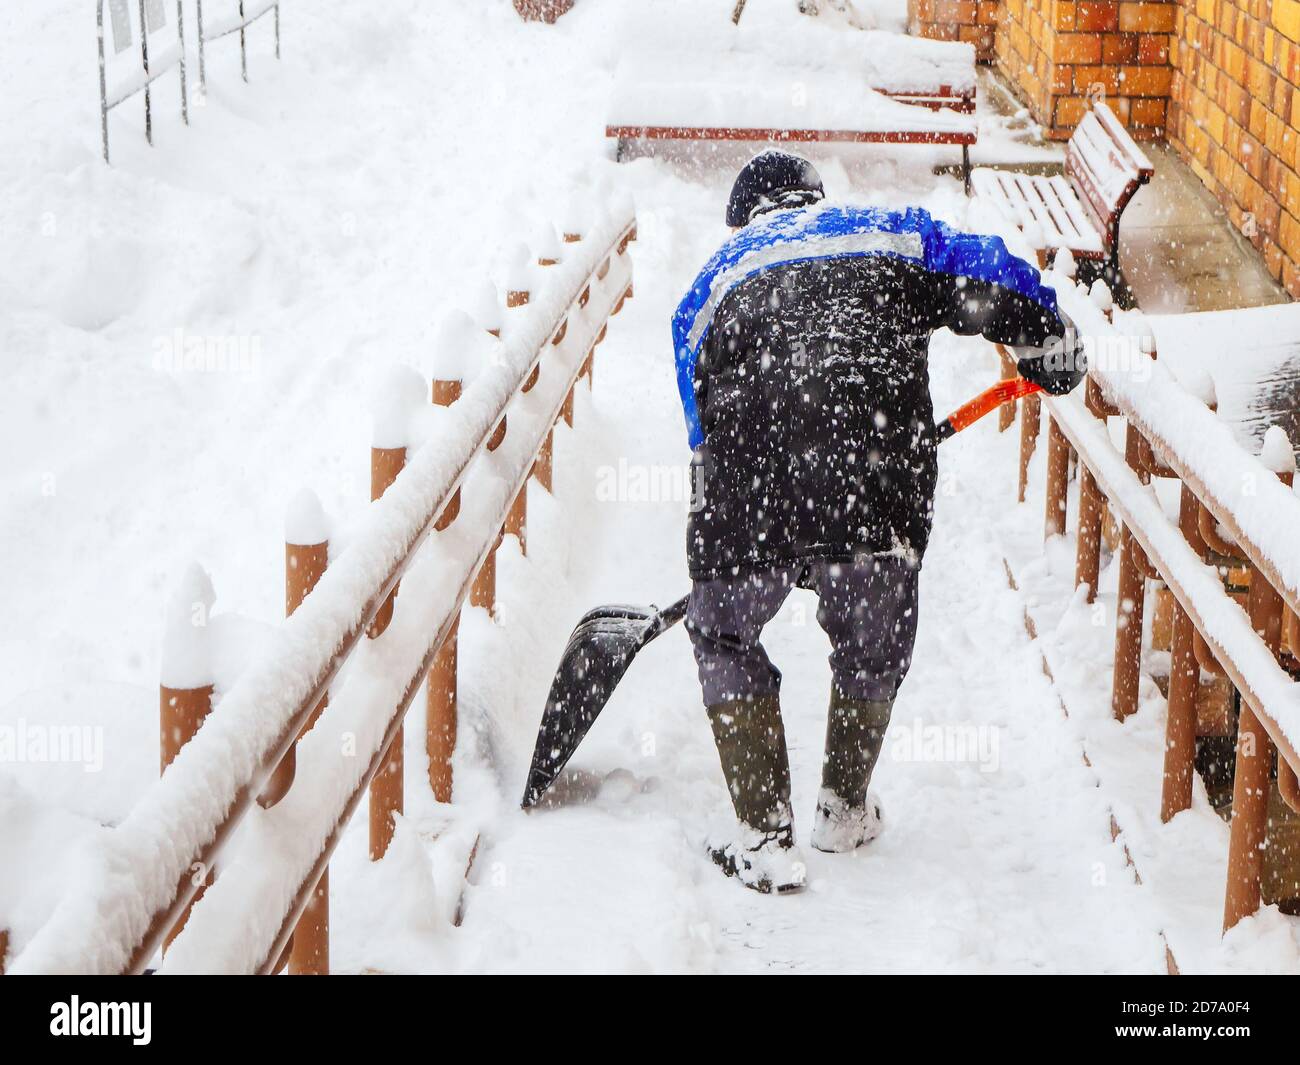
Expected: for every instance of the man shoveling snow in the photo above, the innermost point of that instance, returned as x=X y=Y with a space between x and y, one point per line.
x=801 y=363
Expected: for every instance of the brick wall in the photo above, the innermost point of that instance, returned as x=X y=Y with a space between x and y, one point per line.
x=1058 y=52
x=1220 y=78
x=973 y=21
x=1234 y=114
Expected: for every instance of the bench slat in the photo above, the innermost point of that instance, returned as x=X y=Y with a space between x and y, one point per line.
x=1103 y=169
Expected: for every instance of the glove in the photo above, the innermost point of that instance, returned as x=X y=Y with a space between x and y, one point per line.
x=1057 y=365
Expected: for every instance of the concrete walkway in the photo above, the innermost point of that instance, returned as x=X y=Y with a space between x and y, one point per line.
x=1180 y=253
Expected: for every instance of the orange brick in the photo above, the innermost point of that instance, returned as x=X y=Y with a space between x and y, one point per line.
x=1146 y=81
x=1148 y=112
x=1089 y=80
x=1273 y=259
x=1120 y=48
x=1096 y=15
x=1289 y=236
x=1259 y=80
x=1069 y=110
x=1077 y=48
x=1063 y=14
x=960 y=12
x=1286 y=18
x=1153 y=49
x=1147 y=17
x=1291 y=278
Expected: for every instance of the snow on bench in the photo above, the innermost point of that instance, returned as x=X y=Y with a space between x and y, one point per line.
x=747 y=97
x=1080 y=211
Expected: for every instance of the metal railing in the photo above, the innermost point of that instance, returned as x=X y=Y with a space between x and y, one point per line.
x=1252 y=644
x=152 y=16
x=219 y=762
x=248 y=12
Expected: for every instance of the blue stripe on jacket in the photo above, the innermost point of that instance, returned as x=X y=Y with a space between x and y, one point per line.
x=809 y=233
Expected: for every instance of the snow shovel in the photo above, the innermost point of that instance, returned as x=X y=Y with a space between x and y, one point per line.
x=608 y=638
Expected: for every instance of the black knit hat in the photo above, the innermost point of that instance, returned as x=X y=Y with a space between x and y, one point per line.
x=772 y=180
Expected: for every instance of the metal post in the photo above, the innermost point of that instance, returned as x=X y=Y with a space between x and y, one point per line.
x=277 y=31
x=1058 y=477
x=180 y=36
x=386 y=792
x=243 y=50
x=144 y=58
x=198 y=25
x=103 y=78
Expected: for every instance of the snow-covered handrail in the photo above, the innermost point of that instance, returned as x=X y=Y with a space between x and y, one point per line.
x=1172 y=432
x=115 y=920
x=1259 y=512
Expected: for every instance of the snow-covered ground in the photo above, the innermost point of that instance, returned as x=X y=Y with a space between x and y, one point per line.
x=312 y=226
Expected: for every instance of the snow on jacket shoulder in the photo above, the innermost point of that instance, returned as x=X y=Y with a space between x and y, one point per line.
x=801 y=363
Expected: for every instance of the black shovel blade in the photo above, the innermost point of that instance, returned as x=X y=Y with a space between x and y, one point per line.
x=598 y=653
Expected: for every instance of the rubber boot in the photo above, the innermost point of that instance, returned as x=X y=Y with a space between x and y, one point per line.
x=751 y=747
x=847 y=814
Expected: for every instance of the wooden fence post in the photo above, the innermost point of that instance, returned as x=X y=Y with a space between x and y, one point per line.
x=1087 y=560
x=1058 y=478
x=517 y=519
x=1180 y=727
x=1007 y=371
x=1030 y=415
x=1129 y=604
x=1184 y=686
x=483 y=592
x=440 y=693
x=543 y=468
x=185 y=692
x=1251 y=782
x=306 y=554
x=387 y=458
x=440 y=715
x=386 y=792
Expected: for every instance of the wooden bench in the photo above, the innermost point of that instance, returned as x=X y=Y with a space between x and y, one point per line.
x=1081 y=209
x=658 y=103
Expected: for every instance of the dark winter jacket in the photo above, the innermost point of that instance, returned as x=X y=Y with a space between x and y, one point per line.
x=801 y=361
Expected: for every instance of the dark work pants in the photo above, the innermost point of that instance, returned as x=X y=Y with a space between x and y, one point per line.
x=867 y=607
